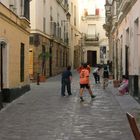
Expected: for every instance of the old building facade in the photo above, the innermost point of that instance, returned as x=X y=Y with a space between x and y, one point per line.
x=122 y=26
x=52 y=34
x=94 y=41
x=75 y=35
x=14 y=46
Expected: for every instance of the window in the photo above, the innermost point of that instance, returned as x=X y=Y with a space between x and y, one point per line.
x=57 y=59
x=71 y=8
x=22 y=62
x=91 y=29
x=136 y=46
x=26 y=8
x=75 y=15
x=44 y=24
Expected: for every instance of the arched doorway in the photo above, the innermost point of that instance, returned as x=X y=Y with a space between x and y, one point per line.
x=3 y=64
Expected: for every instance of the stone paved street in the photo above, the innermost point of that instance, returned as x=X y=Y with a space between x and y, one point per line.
x=42 y=114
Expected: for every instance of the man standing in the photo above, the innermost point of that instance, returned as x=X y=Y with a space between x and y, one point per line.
x=84 y=82
x=66 y=81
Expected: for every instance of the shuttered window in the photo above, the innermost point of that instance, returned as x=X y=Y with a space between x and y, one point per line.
x=22 y=62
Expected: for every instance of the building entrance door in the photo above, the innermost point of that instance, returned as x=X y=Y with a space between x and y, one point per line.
x=92 y=57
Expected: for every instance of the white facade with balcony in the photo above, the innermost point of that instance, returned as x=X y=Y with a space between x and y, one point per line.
x=124 y=40
x=95 y=43
x=53 y=28
x=19 y=7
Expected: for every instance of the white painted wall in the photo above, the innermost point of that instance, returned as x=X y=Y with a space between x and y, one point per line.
x=134 y=55
x=17 y=6
x=39 y=9
x=97 y=21
x=73 y=29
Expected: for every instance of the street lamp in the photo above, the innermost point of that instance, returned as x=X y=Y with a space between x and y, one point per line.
x=68 y=15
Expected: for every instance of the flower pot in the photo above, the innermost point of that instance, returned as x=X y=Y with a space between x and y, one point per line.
x=42 y=78
x=116 y=83
x=110 y=77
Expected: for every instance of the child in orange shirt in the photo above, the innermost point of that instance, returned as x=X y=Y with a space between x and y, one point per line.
x=84 y=82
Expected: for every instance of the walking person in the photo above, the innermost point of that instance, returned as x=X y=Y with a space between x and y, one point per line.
x=66 y=81
x=105 y=76
x=96 y=74
x=84 y=82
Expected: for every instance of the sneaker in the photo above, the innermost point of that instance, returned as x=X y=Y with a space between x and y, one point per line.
x=93 y=96
x=63 y=95
x=82 y=100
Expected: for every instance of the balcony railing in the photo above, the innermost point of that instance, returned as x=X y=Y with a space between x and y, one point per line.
x=91 y=40
x=92 y=37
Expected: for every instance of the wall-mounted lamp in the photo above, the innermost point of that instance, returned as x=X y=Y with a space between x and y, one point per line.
x=68 y=15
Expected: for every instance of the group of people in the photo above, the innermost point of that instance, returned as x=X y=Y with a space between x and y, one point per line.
x=84 y=73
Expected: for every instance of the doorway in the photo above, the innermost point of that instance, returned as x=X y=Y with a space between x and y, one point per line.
x=92 y=57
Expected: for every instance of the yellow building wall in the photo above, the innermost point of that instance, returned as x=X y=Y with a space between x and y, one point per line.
x=14 y=31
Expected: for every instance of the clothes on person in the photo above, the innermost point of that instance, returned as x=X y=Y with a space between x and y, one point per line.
x=84 y=82
x=81 y=67
x=123 y=89
x=96 y=74
x=105 y=72
x=66 y=81
x=105 y=76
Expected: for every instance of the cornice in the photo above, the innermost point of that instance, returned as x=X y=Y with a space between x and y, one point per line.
x=13 y=19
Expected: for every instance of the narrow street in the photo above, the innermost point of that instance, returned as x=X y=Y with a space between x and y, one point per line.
x=42 y=114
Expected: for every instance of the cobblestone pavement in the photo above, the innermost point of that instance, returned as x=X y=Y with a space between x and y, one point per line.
x=42 y=114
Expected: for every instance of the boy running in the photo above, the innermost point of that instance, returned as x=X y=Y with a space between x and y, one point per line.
x=84 y=82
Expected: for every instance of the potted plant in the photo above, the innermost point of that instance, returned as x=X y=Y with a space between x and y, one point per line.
x=111 y=76
x=43 y=56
